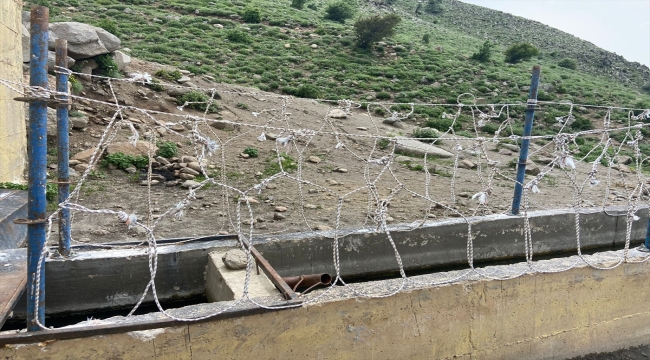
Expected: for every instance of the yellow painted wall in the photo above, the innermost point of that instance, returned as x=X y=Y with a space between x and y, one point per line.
x=13 y=140
x=540 y=316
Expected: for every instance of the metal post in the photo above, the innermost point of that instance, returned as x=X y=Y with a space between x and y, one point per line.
x=525 y=143
x=37 y=166
x=63 y=144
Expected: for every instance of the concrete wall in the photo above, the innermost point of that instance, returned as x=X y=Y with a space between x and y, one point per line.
x=13 y=140
x=540 y=316
x=92 y=280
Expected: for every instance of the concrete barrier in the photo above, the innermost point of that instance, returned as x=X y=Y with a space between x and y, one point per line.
x=106 y=279
x=538 y=316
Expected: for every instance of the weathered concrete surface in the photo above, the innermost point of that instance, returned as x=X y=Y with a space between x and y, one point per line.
x=539 y=316
x=13 y=271
x=116 y=278
x=224 y=284
x=13 y=139
x=13 y=205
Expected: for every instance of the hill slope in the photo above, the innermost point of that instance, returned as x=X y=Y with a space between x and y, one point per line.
x=278 y=54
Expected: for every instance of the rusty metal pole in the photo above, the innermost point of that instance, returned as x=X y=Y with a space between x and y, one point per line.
x=63 y=140
x=37 y=154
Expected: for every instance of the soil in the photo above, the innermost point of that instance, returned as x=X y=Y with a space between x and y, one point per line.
x=311 y=205
x=635 y=353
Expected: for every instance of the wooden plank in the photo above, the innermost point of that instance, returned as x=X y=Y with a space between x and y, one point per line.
x=13 y=280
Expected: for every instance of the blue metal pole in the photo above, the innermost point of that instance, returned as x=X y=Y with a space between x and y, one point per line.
x=63 y=140
x=37 y=155
x=525 y=143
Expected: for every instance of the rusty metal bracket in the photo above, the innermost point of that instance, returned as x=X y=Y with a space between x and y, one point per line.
x=62 y=182
x=30 y=99
x=277 y=280
x=29 y=222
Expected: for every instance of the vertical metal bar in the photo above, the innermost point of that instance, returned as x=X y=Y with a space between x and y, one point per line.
x=525 y=143
x=37 y=155
x=63 y=151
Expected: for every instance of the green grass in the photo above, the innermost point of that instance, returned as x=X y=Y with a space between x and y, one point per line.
x=183 y=34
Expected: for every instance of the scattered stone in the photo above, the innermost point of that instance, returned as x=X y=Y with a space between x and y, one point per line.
x=184 y=176
x=330 y=182
x=402 y=159
x=314 y=46
x=99 y=232
x=281 y=208
x=187 y=170
x=362 y=128
x=533 y=170
x=622 y=168
x=271 y=186
x=278 y=216
x=337 y=114
x=417 y=148
x=251 y=200
x=83 y=156
x=466 y=164
x=310 y=206
x=624 y=159
x=321 y=227
x=510 y=147
x=189 y=184
x=131 y=170
x=341 y=170
x=505 y=152
x=313 y=191
x=244 y=156
x=194 y=165
x=162 y=160
x=122 y=60
x=287 y=46
x=235 y=259
x=183 y=79
x=178 y=91
x=464 y=194
x=145 y=182
x=79 y=123
x=544 y=160
x=225 y=126
x=314 y=159
x=389 y=219
x=141 y=148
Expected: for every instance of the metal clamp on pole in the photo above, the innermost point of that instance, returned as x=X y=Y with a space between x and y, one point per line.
x=37 y=155
x=525 y=143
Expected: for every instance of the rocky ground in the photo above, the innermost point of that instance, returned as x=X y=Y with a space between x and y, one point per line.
x=285 y=205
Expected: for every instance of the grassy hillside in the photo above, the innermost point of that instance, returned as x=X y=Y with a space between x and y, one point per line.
x=209 y=37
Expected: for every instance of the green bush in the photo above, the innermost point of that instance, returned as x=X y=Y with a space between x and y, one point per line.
x=252 y=15
x=568 y=64
x=167 y=149
x=490 y=128
x=108 y=25
x=169 y=75
x=252 y=152
x=339 y=11
x=238 y=36
x=374 y=28
x=646 y=88
x=383 y=96
x=426 y=38
x=307 y=91
x=298 y=4
x=155 y=85
x=198 y=101
x=581 y=124
x=123 y=161
x=107 y=66
x=443 y=124
x=520 y=52
x=434 y=7
x=425 y=134
x=484 y=53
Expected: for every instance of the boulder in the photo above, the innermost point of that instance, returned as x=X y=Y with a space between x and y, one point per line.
x=83 y=156
x=417 y=148
x=122 y=60
x=85 y=41
x=337 y=114
x=51 y=61
x=235 y=259
x=140 y=148
x=178 y=91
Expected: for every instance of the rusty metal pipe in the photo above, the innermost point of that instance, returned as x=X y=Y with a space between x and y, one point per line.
x=307 y=281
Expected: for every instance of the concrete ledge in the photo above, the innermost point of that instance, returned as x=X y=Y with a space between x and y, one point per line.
x=537 y=316
x=224 y=284
x=104 y=279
